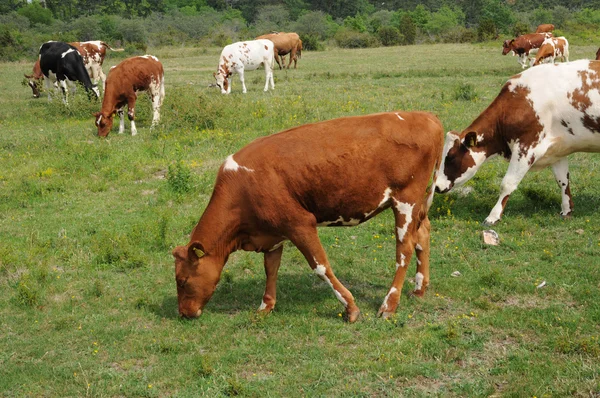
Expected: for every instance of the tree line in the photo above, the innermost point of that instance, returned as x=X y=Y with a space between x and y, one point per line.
x=136 y=24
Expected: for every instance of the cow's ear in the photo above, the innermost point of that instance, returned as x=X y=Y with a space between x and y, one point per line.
x=96 y=114
x=470 y=139
x=215 y=75
x=195 y=251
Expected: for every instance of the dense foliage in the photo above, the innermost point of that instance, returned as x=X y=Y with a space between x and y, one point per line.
x=136 y=24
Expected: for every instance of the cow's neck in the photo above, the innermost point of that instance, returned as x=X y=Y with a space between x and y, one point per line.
x=492 y=126
x=218 y=228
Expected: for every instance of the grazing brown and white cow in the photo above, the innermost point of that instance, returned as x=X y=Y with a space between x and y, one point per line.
x=524 y=46
x=552 y=48
x=35 y=79
x=93 y=53
x=242 y=56
x=335 y=173
x=285 y=43
x=124 y=82
x=545 y=28
x=539 y=117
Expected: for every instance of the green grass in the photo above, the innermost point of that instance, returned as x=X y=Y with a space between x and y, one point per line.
x=88 y=304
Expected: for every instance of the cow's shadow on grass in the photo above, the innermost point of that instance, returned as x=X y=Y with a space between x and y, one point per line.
x=296 y=294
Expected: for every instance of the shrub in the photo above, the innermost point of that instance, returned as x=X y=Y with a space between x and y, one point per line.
x=486 y=30
x=346 y=38
x=520 y=28
x=465 y=92
x=36 y=14
x=408 y=29
x=389 y=36
x=179 y=178
x=310 y=42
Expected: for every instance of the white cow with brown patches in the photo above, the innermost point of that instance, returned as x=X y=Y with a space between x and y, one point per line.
x=552 y=48
x=93 y=54
x=333 y=173
x=539 y=117
x=242 y=56
x=525 y=46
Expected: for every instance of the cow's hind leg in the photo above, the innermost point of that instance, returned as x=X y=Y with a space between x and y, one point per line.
x=405 y=214
x=306 y=239
x=272 y=263
x=121 y=120
x=131 y=114
x=157 y=93
x=422 y=250
x=561 y=173
x=241 y=72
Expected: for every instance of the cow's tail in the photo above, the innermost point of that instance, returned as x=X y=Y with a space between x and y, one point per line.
x=110 y=48
x=299 y=50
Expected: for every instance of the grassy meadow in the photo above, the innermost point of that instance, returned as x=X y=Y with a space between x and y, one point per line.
x=88 y=303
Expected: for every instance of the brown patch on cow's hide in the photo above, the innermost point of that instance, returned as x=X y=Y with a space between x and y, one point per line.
x=580 y=99
x=523 y=122
x=565 y=124
x=266 y=47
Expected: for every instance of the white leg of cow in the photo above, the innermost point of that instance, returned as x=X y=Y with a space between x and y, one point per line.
x=306 y=239
x=405 y=213
x=272 y=262
x=517 y=169
x=422 y=250
x=561 y=173
x=241 y=72
x=65 y=91
x=121 y=120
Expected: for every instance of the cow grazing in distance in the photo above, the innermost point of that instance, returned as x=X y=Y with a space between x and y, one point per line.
x=35 y=79
x=285 y=43
x=242 y=56
x=525 y=46
x=533 y=124
x=339 y=172
x=60 y=62
x=552 y=48
x=125 y=80
x=93 y=53
x=545 y=28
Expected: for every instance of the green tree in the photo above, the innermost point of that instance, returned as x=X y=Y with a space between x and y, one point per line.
x=408 y=29
x=444 y=20
x=497 y=12
x=420 y=16
x=36 y=14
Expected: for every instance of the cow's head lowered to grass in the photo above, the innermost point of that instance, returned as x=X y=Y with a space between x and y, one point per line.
x=196 y=276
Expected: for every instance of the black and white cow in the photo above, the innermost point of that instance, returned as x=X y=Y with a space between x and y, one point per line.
x=62 y=62
x=540 y=116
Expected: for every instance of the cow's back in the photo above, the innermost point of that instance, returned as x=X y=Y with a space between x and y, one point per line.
x=135 y=72
x=341 y=165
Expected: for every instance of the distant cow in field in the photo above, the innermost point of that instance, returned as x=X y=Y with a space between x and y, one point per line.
x=552 y=48
x=539 y=117
x=35 y=79
x=242 y=56
x=124 y=82
x=93 y=53
x=545 y=28
x=524 y=46
x=285 y=43
x=339 y=172
x=60 y=62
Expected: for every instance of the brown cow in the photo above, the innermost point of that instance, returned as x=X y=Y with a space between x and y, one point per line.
x=552 y=48
x=334 y=173
x=285 y=43
x=35 y=79
x=524 y=46
x=144 y=73
x=540 y=117
x=544 y=28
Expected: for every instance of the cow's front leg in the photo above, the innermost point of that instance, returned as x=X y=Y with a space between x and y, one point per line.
x=121 y=120
x=268 y=78
x=422 y=249
x=307 y=241
x=241 y=72
x=561 y=173
x=65 y=91
x=518 y=167
x=405 y=213
x=272 y=263
x=131 y=113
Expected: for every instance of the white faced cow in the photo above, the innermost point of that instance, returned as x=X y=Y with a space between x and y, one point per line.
x=333 y=173
x=60 y=62
x=241 y=56
x=539 y=117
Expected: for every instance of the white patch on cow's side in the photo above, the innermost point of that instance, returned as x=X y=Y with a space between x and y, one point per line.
x=262 y=306
x=399 y=117
x=419 y=281
x=340 y=221
x=232 y=165
x=70 y=50
x=402 y=263
x=147 y=56
x=320 y=271
x=406 y=209
x=387 y=296
x=386 y=197
x=96 y=43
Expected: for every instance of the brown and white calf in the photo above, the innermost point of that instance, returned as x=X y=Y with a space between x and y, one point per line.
x=124 y=82
x=544 y=28
x=242 y=56
x=525 y=46
x=35 y=79
x=339 y=172
x=552 y=48
x=93 y=54
x=539 y=117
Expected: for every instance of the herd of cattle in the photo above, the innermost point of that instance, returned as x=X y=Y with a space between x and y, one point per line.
x=345 y=171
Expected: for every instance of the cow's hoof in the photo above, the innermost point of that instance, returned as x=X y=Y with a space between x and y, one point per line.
x=352 y=316
x=418 y=293
x=385 y=314
x=488 y=223
x=566 y=216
